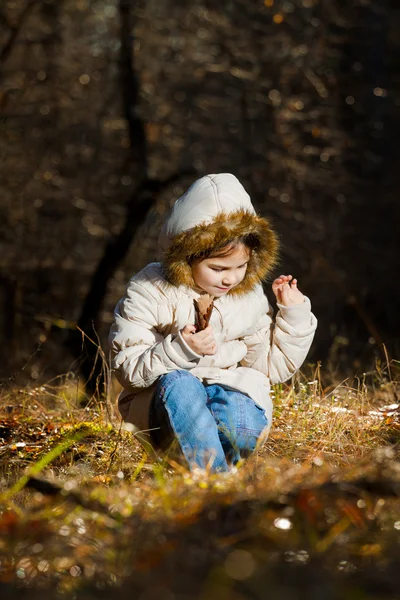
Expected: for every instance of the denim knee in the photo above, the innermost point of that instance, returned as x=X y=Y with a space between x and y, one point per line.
x=183 y=379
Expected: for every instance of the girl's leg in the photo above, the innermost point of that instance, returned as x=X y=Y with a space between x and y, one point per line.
x=179 y=411
x=239 y=419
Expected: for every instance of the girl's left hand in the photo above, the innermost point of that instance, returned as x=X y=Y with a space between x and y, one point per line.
x=286 y=291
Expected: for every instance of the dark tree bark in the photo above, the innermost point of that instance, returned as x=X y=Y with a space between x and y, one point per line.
x=141 y=202
x=130 y=89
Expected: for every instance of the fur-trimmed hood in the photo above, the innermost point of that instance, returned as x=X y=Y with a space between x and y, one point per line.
x=215 y=210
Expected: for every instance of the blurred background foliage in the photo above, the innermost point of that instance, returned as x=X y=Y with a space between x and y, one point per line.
x=109 y=111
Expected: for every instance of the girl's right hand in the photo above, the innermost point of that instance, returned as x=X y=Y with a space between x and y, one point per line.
x=202 y=343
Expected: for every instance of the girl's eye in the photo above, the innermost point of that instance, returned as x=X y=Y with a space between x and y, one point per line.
x=220 y=270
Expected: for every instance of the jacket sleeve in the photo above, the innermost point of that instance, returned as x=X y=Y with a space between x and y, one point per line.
x=140 y=354
x=278 y=349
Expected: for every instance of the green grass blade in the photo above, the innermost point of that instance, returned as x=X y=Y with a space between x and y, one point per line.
x=42 y=463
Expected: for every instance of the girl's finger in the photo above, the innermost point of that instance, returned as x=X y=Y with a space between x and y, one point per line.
x=205 y=333
x=285 y=289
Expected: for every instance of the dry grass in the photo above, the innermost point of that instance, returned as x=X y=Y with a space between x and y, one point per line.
x=338 y=425
x=314 y=491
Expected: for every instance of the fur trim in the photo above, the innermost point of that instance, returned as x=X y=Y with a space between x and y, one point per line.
x=223 y=229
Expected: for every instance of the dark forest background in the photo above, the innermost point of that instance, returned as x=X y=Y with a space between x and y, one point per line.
x=109 y=111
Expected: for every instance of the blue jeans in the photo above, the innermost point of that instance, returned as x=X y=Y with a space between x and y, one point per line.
x=213 y=425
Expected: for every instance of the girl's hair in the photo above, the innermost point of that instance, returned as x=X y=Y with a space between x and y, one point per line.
x=250 y=241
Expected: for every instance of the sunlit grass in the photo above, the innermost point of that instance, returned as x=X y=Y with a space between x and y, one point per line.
x=337 y=426
x=108 y=491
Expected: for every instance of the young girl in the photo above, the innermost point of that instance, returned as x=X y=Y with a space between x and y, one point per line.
x=208 y=390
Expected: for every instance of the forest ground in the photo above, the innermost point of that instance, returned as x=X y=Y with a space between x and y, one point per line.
x=315 y=512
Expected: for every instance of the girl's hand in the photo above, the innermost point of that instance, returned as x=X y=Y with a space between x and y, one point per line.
x=286 y=291
x=202 y=342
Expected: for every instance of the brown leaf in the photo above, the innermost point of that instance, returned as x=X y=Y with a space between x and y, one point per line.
x=203 y=306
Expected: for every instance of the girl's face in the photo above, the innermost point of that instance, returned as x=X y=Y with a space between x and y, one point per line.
x=218 y=275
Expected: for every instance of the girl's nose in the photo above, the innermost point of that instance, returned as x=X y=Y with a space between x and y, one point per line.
x=228 y=281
